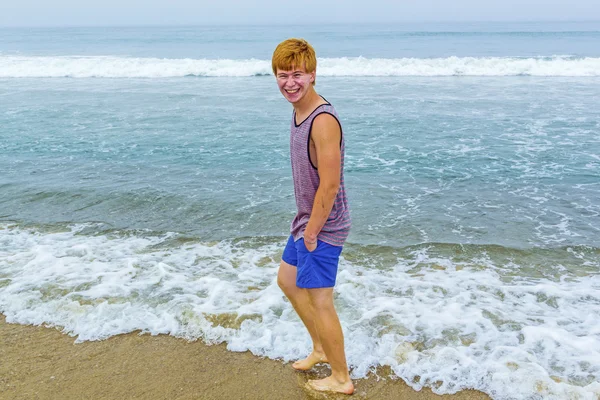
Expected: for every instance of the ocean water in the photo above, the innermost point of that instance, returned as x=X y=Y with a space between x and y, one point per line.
x=145 y=185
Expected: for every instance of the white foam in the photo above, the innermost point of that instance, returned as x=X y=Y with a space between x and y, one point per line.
x=434 y=322
x=130 y=67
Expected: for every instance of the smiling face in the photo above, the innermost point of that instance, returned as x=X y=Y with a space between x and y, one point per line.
x=295 y=83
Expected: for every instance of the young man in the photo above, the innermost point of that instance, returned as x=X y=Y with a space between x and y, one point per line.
x=309 y=262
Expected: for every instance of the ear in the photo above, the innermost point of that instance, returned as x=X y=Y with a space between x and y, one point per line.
x=312 y=76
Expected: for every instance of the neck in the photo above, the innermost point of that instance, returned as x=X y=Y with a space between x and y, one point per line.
x=308 y=102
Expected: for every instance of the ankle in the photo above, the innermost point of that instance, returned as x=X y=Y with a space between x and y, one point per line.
x=341 y=377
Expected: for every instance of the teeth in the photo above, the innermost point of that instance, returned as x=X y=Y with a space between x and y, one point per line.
x=292 y=91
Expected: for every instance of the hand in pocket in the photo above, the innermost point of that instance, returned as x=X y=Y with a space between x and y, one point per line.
x=310 y=246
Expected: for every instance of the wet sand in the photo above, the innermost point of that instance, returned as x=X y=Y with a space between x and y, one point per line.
x=43 y=363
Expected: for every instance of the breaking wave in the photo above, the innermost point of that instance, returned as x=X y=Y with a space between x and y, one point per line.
x=129 y=67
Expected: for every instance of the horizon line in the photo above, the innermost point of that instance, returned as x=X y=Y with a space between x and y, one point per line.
x=230 y=24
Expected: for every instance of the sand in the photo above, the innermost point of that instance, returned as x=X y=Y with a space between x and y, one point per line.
x=43 y=363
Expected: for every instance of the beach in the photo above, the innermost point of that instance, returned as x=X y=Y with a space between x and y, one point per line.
x=145 y=186
x=43 y=363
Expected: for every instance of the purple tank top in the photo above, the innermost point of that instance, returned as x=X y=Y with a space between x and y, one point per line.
x=306 y=182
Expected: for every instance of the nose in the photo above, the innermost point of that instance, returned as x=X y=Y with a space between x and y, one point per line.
x=289 y=81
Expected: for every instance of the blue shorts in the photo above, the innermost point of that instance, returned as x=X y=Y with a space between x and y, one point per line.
x=316 y=269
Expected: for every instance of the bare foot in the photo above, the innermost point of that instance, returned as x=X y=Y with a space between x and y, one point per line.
x=330 y=384
x=310 y=361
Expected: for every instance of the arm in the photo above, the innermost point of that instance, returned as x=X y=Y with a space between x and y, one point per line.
x=326 y=135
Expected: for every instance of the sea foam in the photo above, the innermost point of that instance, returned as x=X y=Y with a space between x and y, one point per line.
x=434 y=321
x=129 y=67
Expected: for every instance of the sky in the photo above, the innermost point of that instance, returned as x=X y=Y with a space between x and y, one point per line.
x=202 y=12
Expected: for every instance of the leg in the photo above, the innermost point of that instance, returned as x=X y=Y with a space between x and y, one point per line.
x=286 y=279
x=332 y=339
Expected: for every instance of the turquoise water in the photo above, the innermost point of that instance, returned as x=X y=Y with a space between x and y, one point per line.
x=475 y=160
x=146 y=185
x=419 y=40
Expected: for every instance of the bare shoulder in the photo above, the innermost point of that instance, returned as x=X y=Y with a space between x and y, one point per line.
x=326 y=128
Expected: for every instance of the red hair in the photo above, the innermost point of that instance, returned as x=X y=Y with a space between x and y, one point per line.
x=294 y=53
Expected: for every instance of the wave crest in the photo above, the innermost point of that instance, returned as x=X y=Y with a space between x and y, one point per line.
x=129 y=67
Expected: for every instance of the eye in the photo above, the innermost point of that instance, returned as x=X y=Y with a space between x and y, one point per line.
x=297 y=75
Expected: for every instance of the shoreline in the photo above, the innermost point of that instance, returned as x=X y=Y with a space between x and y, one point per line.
x=43 y=363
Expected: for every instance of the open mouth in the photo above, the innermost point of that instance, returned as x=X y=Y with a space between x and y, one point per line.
x=291 y=91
